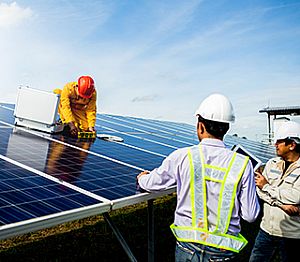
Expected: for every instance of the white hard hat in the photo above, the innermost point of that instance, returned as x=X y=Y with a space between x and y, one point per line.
x=216 y=107
x=289 y=130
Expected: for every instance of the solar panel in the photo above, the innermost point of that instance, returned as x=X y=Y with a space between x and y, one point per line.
x=56 y=178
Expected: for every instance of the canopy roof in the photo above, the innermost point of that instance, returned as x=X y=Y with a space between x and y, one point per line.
x=290 y=110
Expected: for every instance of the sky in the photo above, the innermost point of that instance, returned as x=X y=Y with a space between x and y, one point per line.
x=158 y=59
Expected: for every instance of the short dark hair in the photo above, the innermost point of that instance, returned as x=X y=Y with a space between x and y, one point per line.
x=217 y=129
x=290 y=141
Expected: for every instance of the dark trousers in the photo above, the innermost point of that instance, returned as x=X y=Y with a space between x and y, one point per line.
x=267 y=245
x=191 y=252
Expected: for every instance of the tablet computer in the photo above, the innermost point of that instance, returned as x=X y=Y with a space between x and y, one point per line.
x=256 y=162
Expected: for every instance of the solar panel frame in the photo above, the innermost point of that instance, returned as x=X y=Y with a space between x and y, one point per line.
x=31 y=225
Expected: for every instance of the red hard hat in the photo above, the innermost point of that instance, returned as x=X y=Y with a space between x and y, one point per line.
x=86 y=86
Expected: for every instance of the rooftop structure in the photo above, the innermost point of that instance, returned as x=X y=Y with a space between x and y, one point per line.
x=276 y=111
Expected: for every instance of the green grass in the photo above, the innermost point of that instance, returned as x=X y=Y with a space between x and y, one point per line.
x=93 y=240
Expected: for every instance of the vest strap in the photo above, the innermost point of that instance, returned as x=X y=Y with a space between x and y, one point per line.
x=218 y=240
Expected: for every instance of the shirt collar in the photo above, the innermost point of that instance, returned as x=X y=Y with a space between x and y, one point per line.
x=279 y=162
x=212 y=142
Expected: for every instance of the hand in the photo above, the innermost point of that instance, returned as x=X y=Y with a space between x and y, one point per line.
x=142 y=174
x=291 y=210
x=260 y=180
x=91 y=129
x=73 y=129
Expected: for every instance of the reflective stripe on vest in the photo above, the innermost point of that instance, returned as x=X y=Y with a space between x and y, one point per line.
x=228 y=178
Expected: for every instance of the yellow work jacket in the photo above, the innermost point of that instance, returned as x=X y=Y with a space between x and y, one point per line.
x=73 y=108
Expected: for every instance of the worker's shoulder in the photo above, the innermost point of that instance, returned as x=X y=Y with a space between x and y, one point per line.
x=274 y=160
x=181 y=151
x=70 y=85
x=69 y=89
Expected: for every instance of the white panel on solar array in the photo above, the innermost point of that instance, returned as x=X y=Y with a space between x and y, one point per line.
x=30 y=102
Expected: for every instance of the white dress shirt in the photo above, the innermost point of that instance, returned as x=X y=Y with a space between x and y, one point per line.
x=175 y=170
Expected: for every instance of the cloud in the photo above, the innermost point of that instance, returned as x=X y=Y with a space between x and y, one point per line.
x=144 y=98
x=156 y=60
x=176 y=17
x=13 y=15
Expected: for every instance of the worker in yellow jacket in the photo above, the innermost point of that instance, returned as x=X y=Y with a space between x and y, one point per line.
x=77 y=106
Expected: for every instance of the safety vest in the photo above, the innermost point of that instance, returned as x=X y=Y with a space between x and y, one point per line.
x=228 y=177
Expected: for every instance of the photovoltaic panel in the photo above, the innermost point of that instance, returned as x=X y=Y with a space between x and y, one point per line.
x=103 y=172
x=163 y=128
x=26 y=195
x=137 y=139
x=29 y=201
x=144 y=132
x=71 y=164
x=262 y=151
x=6 y=113
x=189 y=137
x=133 y=155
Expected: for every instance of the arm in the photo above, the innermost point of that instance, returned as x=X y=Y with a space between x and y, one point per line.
x=260 y=181
x=66 y=108
x=91 y=112
x=278 y=192
x=249 y=204
x=291 y=210
x=281 y=195
x=160 y=178
x=284 y=198
x=65 y=104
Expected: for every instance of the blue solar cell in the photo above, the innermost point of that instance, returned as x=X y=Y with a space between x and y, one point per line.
x=41 y=208
x=26 y=195
x=68 y=203
x=6 y=113
x=11 y=214
x=45 y=192
x=115 y=192
x=74 y=165
x=143 y=132
x=118 y=151
x=159 y=128
x=4 y=186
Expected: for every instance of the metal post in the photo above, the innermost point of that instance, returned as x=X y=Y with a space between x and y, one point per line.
x=269 y=125
x=150 y=231
x=119 y=237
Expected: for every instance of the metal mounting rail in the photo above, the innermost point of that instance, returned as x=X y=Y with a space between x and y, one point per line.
x=119 y=237
x=150 y=234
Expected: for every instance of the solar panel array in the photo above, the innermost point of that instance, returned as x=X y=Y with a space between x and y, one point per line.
x=50 y=179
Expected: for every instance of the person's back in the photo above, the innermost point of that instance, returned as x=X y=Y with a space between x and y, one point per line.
x=215 y=154
x=215 y=187
x=221 y=157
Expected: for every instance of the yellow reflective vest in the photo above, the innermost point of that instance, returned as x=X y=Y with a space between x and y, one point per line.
x=228 y=177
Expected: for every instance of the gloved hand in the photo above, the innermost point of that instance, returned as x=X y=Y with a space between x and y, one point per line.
x=73 y=129
x=91 y=129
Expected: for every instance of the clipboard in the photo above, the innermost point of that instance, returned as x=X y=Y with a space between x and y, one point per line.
x=256 y=162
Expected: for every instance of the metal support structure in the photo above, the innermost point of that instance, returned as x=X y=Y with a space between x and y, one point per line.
x=119 y=237
x=151 y=234
x=150 y=231
x=269 y=127
x=275 y=111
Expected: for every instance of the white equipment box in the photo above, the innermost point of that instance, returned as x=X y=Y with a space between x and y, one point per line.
x=37 y=109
